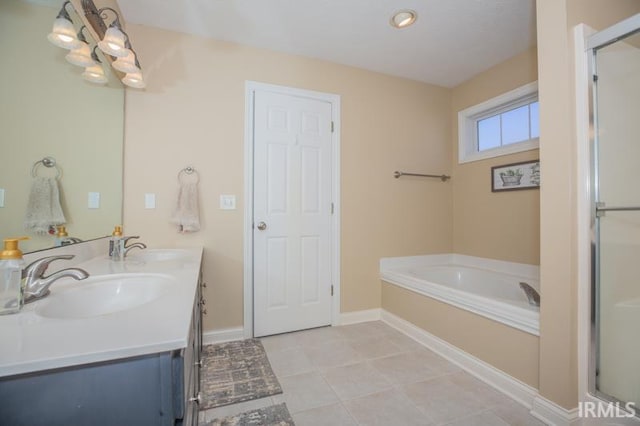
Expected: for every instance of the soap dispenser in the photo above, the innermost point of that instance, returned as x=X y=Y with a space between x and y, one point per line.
x=61 y=236
x=115 y=245
x=11 y=288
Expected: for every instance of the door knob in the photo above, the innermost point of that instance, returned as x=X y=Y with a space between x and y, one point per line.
x=262 y=226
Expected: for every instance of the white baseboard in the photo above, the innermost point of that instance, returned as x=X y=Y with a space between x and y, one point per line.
x=551 y=413
x=356 y=317
x=528 y=396
x=224 y=335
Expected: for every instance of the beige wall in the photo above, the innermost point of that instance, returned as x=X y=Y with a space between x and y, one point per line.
x=192 y=113
x=506 y=225
x=512 y=351
x=558 y=263
x=47 y=109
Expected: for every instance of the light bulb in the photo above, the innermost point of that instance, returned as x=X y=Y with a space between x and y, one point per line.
x=127 y=64
x=81 y=56
x=134 y=80
x=403 y=18
x=63 y=34
x=95 y=74
x=113 y=42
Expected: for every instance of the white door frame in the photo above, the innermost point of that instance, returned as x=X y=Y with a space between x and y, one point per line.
x=250 y=88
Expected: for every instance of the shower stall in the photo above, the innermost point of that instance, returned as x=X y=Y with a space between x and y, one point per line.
x=614 y=56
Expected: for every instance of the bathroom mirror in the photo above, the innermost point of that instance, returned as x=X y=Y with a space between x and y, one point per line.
x=48 y=110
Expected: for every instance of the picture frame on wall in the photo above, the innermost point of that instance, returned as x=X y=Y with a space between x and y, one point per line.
x=515 y=176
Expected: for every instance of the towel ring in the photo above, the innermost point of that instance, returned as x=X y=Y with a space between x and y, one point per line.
x=189 y=170
x=48 y=162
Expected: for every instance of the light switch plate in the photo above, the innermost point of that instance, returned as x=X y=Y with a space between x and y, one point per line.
x=1 y=197
x=150 y=201
x=94 y=200
x=227 y=202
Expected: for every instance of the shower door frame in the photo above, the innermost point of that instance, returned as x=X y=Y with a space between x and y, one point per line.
x=594 y=42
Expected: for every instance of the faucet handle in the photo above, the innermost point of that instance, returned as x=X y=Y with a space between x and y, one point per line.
x=39 y=267
x=126 y=239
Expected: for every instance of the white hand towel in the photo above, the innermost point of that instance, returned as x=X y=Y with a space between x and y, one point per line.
x=186 y=214
x=43 y=208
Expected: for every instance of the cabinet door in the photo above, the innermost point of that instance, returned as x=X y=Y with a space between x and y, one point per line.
x=192 y=361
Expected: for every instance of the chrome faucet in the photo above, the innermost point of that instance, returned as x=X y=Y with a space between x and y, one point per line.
x=532 y=295
x=37 y=285
x=126 y=248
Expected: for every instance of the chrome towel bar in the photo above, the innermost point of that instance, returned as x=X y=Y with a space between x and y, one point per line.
x=601 y=208
x=443 y=178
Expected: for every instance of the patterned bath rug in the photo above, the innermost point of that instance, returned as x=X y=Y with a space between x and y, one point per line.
x=235 y=372
x=275 y=415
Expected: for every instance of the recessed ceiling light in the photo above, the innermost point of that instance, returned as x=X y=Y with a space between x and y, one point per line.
x=403 y=18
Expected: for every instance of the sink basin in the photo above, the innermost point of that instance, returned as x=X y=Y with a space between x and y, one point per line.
x=103 y=295
x=158 y=255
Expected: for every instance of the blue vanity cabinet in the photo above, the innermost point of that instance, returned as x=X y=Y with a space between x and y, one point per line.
x=160 y=389
x=192 y=360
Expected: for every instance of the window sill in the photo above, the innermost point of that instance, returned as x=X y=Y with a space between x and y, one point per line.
x=499 y=152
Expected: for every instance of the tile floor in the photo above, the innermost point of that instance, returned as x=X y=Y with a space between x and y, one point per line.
x=371 y=374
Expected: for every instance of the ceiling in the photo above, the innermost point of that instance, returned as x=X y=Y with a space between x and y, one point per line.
x=451 y=41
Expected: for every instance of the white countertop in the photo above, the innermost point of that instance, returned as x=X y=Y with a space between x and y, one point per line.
x=30 y=342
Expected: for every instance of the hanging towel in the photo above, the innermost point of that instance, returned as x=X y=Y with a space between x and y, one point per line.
x=43 y=208
x=186 y=214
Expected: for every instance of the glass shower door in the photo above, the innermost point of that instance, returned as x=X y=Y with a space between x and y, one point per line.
x=617 y=219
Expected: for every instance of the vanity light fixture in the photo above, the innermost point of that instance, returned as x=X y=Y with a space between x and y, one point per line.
x=95 y=73
x=403 y=18
x=134 y=80
x=63 y=33
x=117 y=44
x=128 y=64
x=81 y=56
x=114 y=40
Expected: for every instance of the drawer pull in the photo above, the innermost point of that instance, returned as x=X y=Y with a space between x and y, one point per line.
x=203 y=302
x=204 y=311
x=197 y=399
x=198 y=364
x=204 y=285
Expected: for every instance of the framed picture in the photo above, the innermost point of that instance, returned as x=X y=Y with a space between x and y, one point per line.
x=515 y=176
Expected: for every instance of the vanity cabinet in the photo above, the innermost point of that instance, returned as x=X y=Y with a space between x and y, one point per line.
x=153 y=389
x=192 y=361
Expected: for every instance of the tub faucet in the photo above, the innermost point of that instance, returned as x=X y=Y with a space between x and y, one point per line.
x=532 y=295
x=126 y=248
x=37 y=285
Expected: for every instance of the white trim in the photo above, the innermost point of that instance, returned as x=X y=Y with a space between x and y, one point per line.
x=520 y=392
x=248 y=213
x=466 y=127
x=334 y=100
x=583 y=178
x=224 y=335
x=553 y=414
x=356 y=317
x=614 y=32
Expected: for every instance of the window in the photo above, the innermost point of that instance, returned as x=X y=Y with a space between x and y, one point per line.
x=503 y=125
